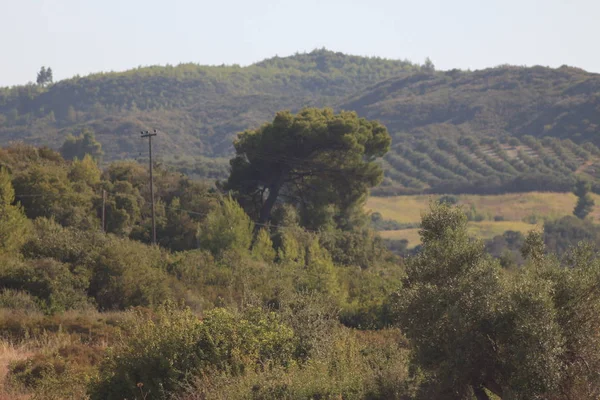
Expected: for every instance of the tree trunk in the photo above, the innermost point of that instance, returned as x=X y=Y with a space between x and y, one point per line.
x=267 y=207
x=480 y=393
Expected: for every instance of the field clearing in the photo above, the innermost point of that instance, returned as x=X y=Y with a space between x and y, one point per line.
x=481 y=230
x=512 y=206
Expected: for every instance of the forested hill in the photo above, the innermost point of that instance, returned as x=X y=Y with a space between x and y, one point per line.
x=453 y=131
x=538 y=101
x=497 y=130
x=199 y=109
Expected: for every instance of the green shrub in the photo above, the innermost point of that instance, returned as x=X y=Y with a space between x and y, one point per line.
x=164 y=352
x=373 y=366
x=126 y=273
x=227 y=227
x=52 y=282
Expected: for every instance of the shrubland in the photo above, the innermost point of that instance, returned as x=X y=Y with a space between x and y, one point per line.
x=299 y=301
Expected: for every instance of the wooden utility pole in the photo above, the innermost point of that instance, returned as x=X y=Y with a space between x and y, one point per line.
x=103 y=210
x=149 y=136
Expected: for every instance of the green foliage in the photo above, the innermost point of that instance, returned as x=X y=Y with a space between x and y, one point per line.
x=227 y=227
x=318 y=274
x=13 y=223
x=566 y=232
x=232 y=98
x=86 y=171
x=55 y=286
x=448 y=199
x=370 y=366
x=585 y=203
x=497 y=107
x=262 y=249
x=44 y=77
x=126 y=273
x=507 y=248
x=82 y=145
x=380 y=224
x=18 y=300
x=59 y=374
x=46 y=191
x=468 y=329
x=316 y=158
x=121 y=273
x=455 y=164
x=165 y=351
x=360 y=247
x=474 y=327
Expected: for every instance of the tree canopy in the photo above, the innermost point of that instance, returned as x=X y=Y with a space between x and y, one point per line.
x=44 y=77
x=585 y=203
x=78 y=147
x=315 y=160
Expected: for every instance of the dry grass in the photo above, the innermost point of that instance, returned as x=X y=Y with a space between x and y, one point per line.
x=10 y=353
x=78 y=337
x=482 y=230
x=513 y=206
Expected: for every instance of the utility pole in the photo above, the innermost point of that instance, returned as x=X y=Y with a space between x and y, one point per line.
x=149 y=135
x=103 y=210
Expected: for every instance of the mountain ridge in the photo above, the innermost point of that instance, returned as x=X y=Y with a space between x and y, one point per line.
x=199 y=109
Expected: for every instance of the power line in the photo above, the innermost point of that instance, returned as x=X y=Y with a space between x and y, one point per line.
x=202 y=214
x=149 y=136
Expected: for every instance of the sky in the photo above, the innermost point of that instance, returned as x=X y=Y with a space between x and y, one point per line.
x=79 y=37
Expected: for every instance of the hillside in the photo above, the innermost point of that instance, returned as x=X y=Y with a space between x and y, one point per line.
x=517 y=101
x=437 y=164
x=198 y=109
x=504 y=129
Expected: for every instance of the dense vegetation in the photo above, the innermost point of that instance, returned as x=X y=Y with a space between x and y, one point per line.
x=226 y=309
x=453 y=131
x=262 y=286
x=198 y=109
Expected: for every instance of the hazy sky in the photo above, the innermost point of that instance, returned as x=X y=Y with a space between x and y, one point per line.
x=84 y=36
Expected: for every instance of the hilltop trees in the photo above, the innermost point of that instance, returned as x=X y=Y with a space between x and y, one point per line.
x=44 y=77
x=316 y=160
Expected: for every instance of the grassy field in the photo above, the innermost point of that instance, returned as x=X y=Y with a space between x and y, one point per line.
x=514 y=208
x=483 y=230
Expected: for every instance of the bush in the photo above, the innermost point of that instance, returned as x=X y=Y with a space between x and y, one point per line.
x=227 y=227
x=372 y=366
x=126 y=273
x=164 y=352
x=18 y=300
x=59 y=374
x=52 y=282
